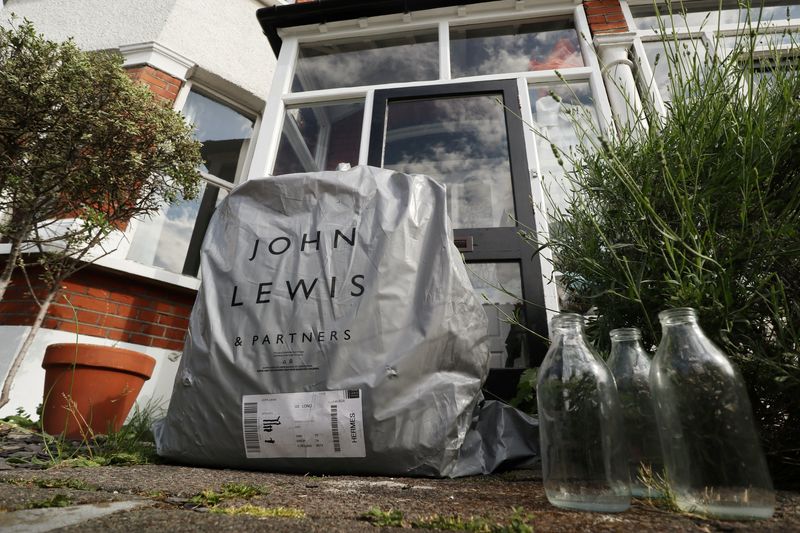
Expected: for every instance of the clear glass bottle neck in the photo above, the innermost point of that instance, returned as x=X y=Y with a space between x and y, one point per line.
x=625 y=335
x=679 y=316
x=567 y=323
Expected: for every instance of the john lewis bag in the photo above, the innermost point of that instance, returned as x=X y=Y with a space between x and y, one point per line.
x=335 y=331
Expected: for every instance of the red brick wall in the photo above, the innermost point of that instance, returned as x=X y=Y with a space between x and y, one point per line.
x=105 y=304
x=605 y=16
x=161 y=83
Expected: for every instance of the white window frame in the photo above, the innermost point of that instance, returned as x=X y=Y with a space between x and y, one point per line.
x=438 y=20
x=281 y=97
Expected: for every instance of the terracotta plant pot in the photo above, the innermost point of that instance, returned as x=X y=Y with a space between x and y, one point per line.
x=90 y=387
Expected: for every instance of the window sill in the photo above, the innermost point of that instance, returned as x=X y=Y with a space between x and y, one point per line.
x=131 y=268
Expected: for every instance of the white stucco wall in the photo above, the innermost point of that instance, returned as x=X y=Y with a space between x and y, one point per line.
x=220 y=36
x=28 y=388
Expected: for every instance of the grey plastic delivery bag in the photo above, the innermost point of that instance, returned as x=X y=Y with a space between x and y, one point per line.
x=335 y=331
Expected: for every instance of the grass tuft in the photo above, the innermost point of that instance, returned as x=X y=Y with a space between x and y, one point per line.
x=394 y=518
x=210 y=498
x=59 y=500
x=260 y=512
x=133 y=444
x=67 y=483
x=657 y=483
x=378 y=517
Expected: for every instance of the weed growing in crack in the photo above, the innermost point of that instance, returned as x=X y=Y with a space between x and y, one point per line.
x=210 y=498
x=66 y=483
x=59 y=500
x=378 y=517
x=260 y=512
x=54 y=483
x=518 y=522
x=132 y=444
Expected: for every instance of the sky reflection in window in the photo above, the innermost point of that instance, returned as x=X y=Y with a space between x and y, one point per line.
x=523 y=47
x=462 y=143
x=410 y=56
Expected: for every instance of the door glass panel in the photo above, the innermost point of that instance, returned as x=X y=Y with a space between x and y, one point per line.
x=562 y=115
x=462 y=143
x=410 y=56
x=520 y=47
x=499 y=288
x=319 y=137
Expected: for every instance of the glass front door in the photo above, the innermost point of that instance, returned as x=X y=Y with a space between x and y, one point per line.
x=469 y=138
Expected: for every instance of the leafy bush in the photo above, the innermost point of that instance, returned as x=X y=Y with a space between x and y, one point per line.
x=701 y=210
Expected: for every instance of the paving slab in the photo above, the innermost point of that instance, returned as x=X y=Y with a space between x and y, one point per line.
x=42 y=520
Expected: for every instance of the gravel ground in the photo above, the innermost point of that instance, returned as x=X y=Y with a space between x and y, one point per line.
x=331 y=503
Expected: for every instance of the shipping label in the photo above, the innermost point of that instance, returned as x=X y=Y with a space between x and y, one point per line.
x=303 y=424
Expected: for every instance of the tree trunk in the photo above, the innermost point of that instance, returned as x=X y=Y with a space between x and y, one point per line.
x=8 y=269
x=26 y=344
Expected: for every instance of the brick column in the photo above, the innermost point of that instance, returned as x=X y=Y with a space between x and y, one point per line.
x=160 y=83
x=605 y=16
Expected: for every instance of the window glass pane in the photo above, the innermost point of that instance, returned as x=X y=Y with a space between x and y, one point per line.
x=562 y=116
x=518 y=47
x=499 y=288
x=462 y=143
x=163 y=240
x=319 y=137
x=708 y=16
x=411 y=56
x=765 y=41
x=663 y=60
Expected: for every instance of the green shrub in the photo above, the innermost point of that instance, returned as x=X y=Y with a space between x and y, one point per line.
x=701 y=210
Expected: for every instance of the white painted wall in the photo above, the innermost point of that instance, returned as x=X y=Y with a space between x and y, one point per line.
x=28 y=388
x=221 y=37
x=224 y=38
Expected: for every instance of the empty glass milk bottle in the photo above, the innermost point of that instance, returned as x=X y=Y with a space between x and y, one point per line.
x=712 y=456
x=580 y=424
x=630 y=365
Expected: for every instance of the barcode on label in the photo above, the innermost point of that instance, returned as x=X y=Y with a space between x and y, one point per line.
x=337 y=446
x=250 y=421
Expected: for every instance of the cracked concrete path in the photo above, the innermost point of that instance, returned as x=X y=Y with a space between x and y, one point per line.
x=330 y=504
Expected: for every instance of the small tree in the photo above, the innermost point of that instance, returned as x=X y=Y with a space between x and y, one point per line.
x=83 y=149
